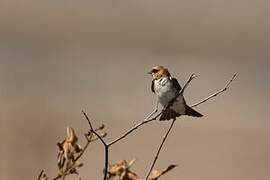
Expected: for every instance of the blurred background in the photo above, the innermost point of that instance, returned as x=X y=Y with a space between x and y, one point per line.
x=59 y=57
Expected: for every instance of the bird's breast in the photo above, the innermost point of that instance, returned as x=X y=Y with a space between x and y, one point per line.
x=164 y=91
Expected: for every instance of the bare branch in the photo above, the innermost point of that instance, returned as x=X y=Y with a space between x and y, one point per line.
x=159 y=149
x=192 y=76
x=106 y=147
x=145 y=121
x=92 y=129
x=216 y=93
x=167 y=133
x=90 y=138
x=40 y=174
x=172 y=101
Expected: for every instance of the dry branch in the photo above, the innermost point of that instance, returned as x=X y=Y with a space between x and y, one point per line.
x=159 y=149
x=92 y=135
x=171 y=126
x=145 y=121
x=122 y=170
x=42 y=175
x=196 y=104
x=106 y=147
x=216 y=93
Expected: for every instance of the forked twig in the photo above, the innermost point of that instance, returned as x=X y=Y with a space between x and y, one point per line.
x=148 y=119
x=106 y=147
x=40 y=174
x=216 y=93
x=88 y=140
x=171 y=126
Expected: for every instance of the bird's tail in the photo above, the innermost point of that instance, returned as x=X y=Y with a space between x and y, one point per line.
x=192 y=112
x=169 y=114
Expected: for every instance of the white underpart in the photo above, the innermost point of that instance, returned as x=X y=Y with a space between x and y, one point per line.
x=166 y=92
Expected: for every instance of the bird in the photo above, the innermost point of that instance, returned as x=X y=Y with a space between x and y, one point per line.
x=166 y=89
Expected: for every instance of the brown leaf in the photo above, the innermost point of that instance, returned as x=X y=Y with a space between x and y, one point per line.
x=156 y=174
x=71 y=136
x=122 y=171
x=43 y=176
x=67 y=149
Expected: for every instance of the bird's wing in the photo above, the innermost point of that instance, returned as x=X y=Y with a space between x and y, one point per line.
x=177 y=87
x=153 y=86
x=176 y=84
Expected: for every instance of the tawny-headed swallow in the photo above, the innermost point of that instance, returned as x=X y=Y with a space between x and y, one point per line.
x=167 y=88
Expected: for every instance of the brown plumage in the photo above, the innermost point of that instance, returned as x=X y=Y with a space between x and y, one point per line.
x=159 y=72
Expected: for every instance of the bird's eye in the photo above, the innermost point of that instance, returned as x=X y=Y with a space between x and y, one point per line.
x=154 y=70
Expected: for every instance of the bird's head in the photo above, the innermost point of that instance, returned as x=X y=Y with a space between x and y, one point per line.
x=158 y=72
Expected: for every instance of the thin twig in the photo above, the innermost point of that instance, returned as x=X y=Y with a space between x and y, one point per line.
x=40 y=174
x=167 y=133
x=216 y=93
x=88 y=140
x=196 y=104
x=145 y=121
x=92 y=129
x=106 y=147
x=159 y=149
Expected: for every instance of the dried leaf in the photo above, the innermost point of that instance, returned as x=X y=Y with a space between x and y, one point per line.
x=156 y=174
x=131 y=162
x=122 y=171
x=100 y=127
x=67 y=150
x=71 y=136
x=104 y=134
x=43 y=176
